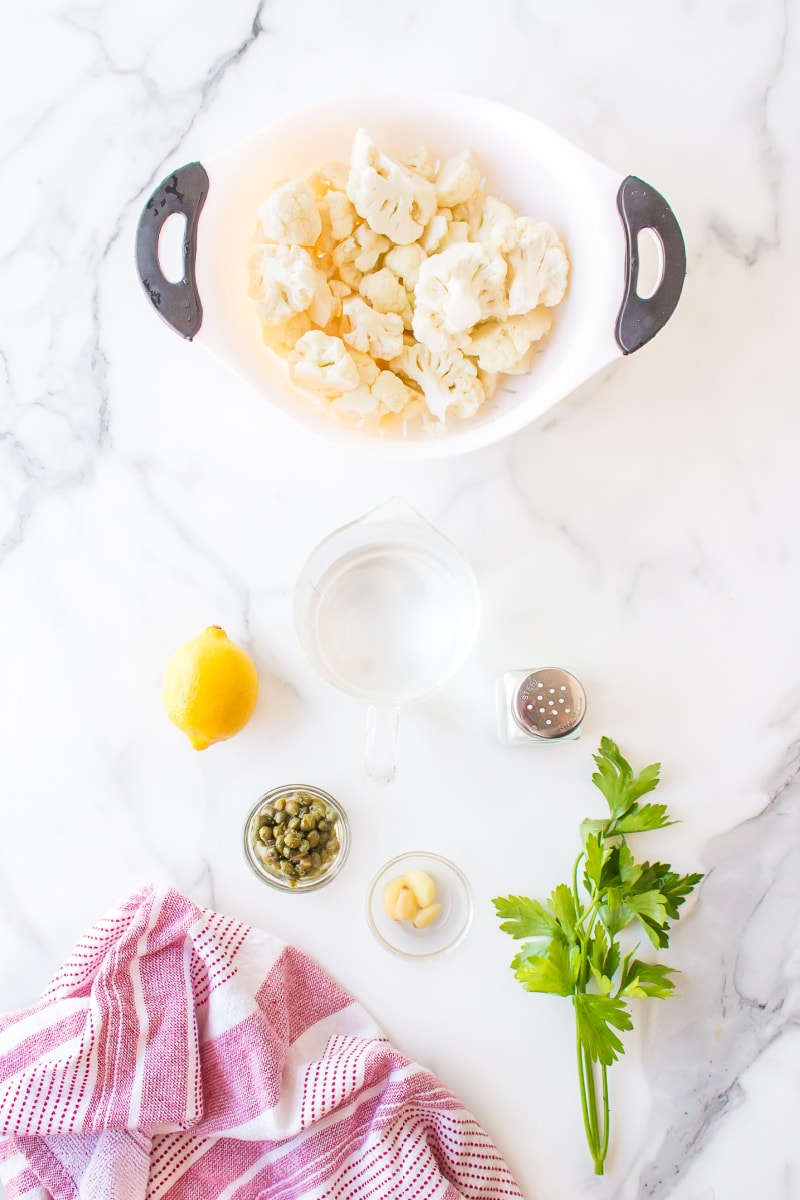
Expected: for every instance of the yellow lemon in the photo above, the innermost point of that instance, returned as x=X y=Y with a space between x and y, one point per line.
x=210 y=688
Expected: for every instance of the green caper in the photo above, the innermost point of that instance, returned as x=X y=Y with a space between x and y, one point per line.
x=292 y=807
x=279 y=804
x=313 y=838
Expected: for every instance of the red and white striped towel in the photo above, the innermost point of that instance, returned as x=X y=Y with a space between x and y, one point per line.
x=181 y=1055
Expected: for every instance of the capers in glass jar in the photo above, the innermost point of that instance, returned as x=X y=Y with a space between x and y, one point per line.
x=294 y=837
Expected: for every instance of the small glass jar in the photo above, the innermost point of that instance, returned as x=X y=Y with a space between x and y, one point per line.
x=539 y=707
x=260 y=852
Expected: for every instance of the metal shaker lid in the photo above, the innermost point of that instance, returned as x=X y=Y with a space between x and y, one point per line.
x=549 y=703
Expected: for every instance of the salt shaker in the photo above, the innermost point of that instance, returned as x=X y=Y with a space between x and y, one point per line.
x=545 y=705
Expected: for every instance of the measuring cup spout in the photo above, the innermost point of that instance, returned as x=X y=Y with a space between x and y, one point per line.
x=398 y=511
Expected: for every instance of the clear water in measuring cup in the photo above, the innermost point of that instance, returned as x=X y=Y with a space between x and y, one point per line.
x=390 y=622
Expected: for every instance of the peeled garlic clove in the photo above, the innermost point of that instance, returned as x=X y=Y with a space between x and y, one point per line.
x=406 y=906
x=426 y=916
x=422 y=886
x=390 y=895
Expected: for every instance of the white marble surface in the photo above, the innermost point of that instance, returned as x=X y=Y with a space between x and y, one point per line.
x=645 y=534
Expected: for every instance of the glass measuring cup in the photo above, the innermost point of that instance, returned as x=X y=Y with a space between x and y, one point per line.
x=386 y=609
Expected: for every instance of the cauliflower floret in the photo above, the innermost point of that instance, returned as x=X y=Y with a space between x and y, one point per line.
x=490 y=383
x=385 y=393
x=436 y=231
x=283 y=337
x=392 y=393
x=384 y=291
x=350 y=275
x=483 y=214
x=283 y=282
x=324 y=303
x=362 y=250
x=457 y=231
x=537 y=263
x=338 y=222
x=448 y=380
x=458 y=180
x=338 y=213
x=392 y=200
x=323 y=364
x=455 y=290
x=368 y=369
x=406 y=261
x=289 y=215
x=421 y=161
x=361 y=404
x=371 y=332
x=340 y=289
x=500 y=346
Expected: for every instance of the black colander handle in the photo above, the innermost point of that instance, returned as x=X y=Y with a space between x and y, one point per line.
x=184 y=191
x=642 y=207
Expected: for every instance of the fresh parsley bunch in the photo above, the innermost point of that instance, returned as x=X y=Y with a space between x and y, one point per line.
x=574 y=949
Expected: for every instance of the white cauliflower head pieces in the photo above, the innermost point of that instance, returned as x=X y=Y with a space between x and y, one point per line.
x=501 y=346
x=458 y=180
x=377 y=333
x=537 y=263
x=283 y=281
x=289 y=215
x=449 y=382
x=464 y=284
x=322 y=364
x=392 y=200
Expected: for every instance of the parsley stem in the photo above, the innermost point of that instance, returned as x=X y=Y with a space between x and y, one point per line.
x=591 y=1097
x=575 y=879
x=588 y=1124
x=606 y=1115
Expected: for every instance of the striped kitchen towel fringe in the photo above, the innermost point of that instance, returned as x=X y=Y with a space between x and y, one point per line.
x=181 y=1055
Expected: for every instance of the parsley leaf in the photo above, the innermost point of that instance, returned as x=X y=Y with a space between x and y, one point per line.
x=646 y=979
x=616 y=780
x=552 y=972
x=562 y=905
x=595 y=1016
x=525 y=918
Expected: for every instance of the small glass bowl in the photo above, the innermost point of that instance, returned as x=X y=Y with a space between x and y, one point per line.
x=452 y=892
x=260 y=866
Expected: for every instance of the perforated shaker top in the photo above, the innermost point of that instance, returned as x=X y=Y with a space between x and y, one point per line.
x=549 y=703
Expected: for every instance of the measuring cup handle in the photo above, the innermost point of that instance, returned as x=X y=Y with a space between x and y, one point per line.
x=380 y=750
